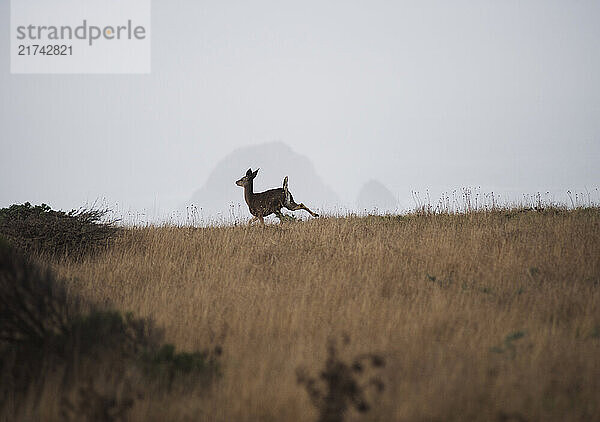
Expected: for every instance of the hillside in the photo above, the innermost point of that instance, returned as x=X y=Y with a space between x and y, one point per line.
x=481 y=316
x=375 y=197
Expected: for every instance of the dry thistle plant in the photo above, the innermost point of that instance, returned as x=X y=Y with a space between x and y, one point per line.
x=342 y=385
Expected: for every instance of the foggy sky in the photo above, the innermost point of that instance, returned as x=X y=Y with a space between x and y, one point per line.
x=504 y=95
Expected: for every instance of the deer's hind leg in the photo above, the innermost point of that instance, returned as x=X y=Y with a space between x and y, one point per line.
x=289 y=202
x=291 y=205
x=301 y=206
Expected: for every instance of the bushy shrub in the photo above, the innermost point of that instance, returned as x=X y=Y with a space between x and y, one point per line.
x=165 y=365
x=43 y=331
x=39 y=229
x=34 y=315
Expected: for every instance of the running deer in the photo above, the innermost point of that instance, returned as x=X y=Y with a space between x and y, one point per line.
x=268 y=202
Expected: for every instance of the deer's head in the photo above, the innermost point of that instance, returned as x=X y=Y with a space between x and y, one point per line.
x=249 y=177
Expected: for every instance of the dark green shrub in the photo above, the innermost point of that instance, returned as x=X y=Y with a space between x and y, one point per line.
x=43 y=331
x=508 y=346
x=166 y=365
x=39 y=229
x=92 y=405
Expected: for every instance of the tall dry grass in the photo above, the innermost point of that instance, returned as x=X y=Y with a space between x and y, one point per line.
x=480 y=316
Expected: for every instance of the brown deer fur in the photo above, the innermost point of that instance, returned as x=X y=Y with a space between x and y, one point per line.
x=268 y=202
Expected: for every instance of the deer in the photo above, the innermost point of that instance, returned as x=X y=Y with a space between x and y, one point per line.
x=262 y=204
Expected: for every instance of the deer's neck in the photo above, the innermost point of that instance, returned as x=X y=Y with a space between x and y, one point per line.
x=249 y=192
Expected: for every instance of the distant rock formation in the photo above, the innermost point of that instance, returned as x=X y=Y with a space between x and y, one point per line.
x=374 y=196
x=220 y=195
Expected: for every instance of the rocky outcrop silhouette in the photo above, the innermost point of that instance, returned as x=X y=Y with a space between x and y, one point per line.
x=375 y=197
x=221 y=196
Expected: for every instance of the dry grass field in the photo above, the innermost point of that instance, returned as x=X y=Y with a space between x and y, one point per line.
x=484 y=316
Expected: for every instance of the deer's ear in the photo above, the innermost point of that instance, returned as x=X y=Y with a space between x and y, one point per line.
x=254 y=173
x=249 y=172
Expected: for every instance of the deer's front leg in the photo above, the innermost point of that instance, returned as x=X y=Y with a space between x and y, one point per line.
x=252 y=220
x=279 y=215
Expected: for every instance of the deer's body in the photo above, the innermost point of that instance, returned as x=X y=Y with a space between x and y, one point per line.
x=262 y=204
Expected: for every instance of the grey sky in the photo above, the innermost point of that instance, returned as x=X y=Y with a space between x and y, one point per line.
x=418 y=95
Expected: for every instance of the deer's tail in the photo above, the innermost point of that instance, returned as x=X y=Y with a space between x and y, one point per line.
x=288 y=196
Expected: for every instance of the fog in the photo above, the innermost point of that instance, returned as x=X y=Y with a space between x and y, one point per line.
x=501 y=96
